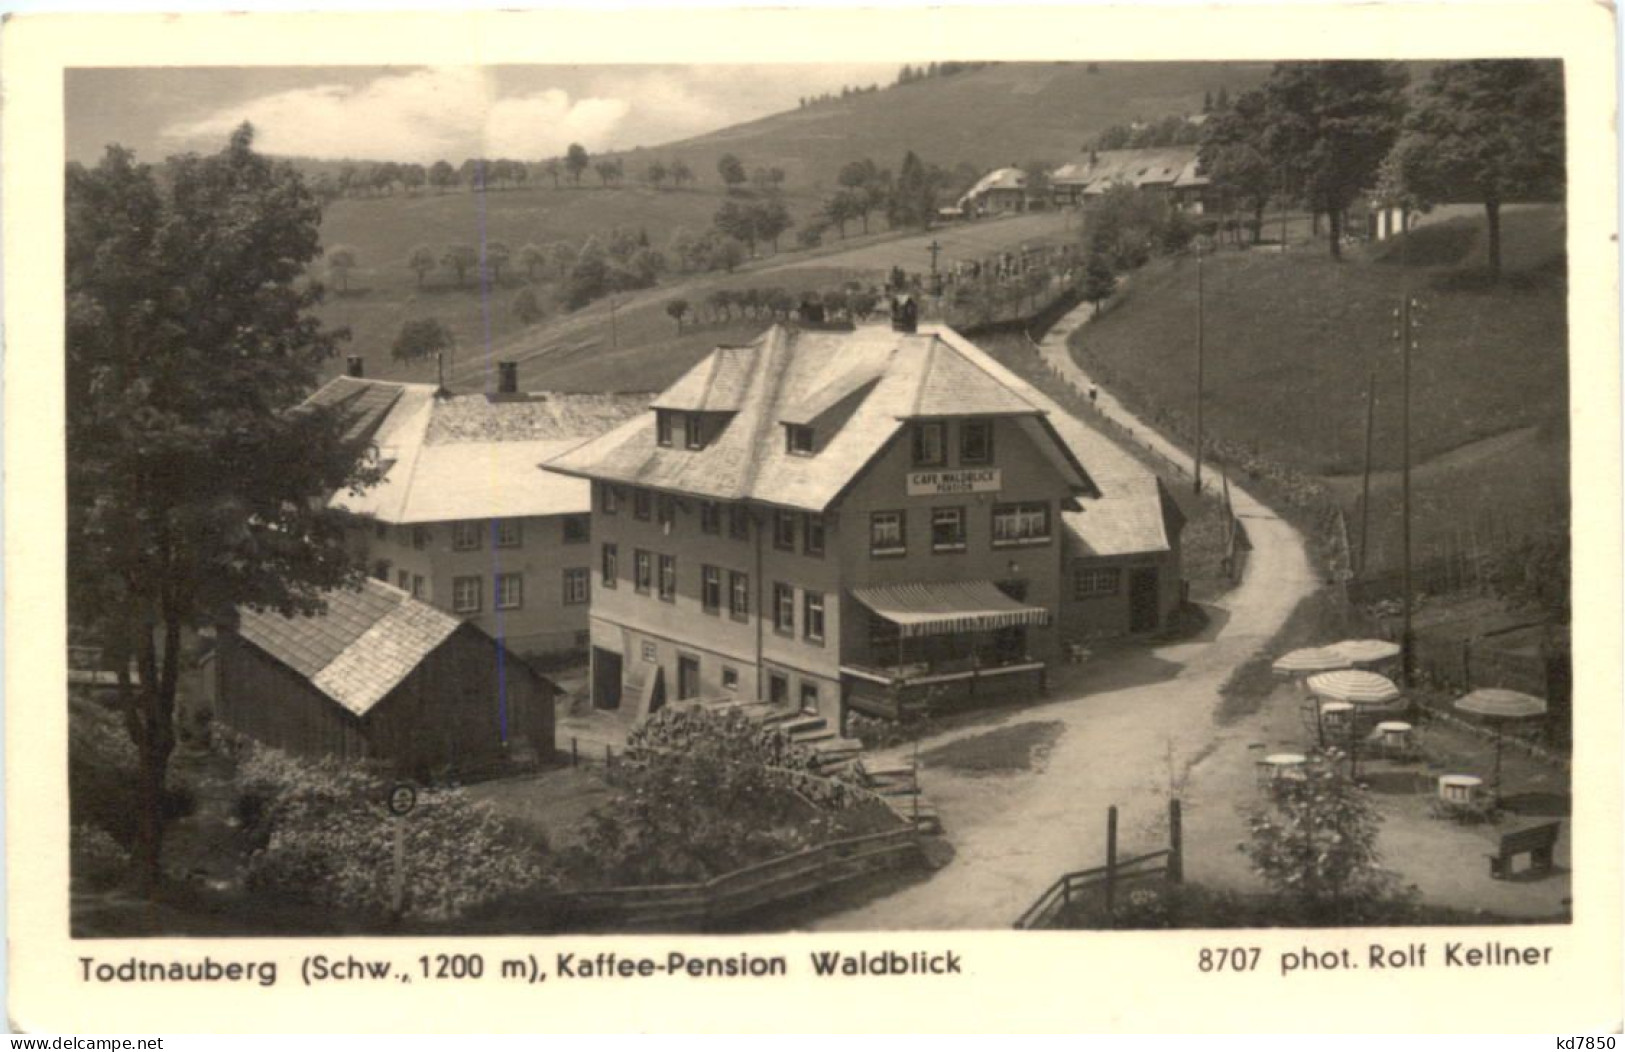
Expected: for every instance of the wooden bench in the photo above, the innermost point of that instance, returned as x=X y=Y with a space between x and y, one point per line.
x=1535 y=841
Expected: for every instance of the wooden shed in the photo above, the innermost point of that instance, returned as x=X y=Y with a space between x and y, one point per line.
x=381 y=676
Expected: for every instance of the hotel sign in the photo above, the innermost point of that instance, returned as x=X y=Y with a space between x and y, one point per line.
x=948 y=483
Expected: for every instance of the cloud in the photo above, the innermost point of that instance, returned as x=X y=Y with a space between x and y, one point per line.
x=423 y=115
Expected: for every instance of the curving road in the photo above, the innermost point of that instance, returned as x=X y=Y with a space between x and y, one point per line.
x=1132 y=727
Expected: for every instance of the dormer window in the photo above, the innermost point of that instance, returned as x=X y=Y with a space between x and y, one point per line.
x=693 y=431
x=930 y=444
x=798 y=440
x=662 y=427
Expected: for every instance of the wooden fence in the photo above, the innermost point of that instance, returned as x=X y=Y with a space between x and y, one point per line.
x=1105 y=882
x=699 y=906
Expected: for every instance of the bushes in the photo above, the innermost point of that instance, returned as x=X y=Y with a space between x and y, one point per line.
x=319 y=834
x=96 y=858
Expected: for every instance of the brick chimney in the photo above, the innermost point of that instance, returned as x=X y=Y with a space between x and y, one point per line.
x=507 y=378
x=905 y=314
x=353 y=366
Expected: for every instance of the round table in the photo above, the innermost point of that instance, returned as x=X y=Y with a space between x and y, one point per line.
x=1335 y=716
x=1395 y=735
x=1459 y=788
x=1281 y=765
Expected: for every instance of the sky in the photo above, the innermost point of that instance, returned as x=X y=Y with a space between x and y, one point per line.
x=426 y=113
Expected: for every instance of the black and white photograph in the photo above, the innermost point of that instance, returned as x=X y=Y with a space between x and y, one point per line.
x=938 y=494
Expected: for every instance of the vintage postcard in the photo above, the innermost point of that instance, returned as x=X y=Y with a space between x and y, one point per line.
x=969 y=518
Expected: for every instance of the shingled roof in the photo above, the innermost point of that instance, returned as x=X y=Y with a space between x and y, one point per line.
x=1102 y=169
x=796 y=377
x=469 y=456
x=360 y=648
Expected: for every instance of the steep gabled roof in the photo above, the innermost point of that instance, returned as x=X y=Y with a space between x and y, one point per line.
x=1161 y=166
x=786 y=376
x=358 y=650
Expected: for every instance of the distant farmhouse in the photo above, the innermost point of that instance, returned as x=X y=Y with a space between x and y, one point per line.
x=999 y=191
x=380 y=676
x=1171 y=171
x=862 y=520
x=463 y=520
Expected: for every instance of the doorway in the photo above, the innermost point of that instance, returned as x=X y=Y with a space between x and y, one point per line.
x=1142 y=599
x=688 y=677
x=606 y=679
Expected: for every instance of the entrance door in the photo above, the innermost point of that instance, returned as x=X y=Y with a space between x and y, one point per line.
x=606 y=679
x=778 y=688
x=688 y=677
x=1142 y=599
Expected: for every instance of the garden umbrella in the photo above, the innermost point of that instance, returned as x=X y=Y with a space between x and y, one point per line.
x=1365 y=651
x=1308 y=660
x=1354 y=685
x=1498 y=705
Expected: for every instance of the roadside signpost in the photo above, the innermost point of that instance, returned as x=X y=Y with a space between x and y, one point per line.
x=402 y=799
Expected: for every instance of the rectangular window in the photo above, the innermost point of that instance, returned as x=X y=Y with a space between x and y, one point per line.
x=640 y=504
x=577 y=529
x=694 y=431
x=420 y=537
x=738 y=522
x=668 y=578
x=511 y=590
x=1095 y=582
x=784 y=609
x=812 y=534
x=778 y=688
x=403 y=580
x=784 y=530
x=420 y=587
x=688 y=676
x=609 y=498
x=611 y=565
x=465 y=536
x=510 y=533
x=739 y=595
x=976 y=442
x=798 y=440
x=576 y=585
x=662 y=427
x=465 y=595
x=666 y=509
x=642 y=570
x=380 y=570
x=711 y=589
x=1020 y=524
x=650 y=654
x=886 y=533
x=947 y=529
x=930 y=447
x=710 y=517
x=809 y=696
x=730 y=678
x=812 y=616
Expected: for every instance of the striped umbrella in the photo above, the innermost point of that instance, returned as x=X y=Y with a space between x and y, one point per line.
x=1497 y=704
x=1354 y=685
x=1308 y=660
x=1365 y=651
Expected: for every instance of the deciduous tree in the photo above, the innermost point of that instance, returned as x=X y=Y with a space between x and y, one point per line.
x=576 y=161
x=421 y=338
x=421 y=262
x=460 y=258
x=341 y=259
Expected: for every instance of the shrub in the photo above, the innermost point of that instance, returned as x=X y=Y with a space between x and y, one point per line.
x=96 y=858
x=321 y=835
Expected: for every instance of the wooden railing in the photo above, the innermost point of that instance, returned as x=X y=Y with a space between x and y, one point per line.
x=1166 y=865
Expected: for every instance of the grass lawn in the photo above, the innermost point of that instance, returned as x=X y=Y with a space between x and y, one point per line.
x=1008 y=750
x=550 y=804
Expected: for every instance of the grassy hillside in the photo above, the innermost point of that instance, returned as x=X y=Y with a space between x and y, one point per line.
x=1008 y=113
x=1291 y=340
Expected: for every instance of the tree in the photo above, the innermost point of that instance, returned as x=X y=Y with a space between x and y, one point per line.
x=1488 y=131
x=737 y=221
x=677 y=309
x=589 y=275
x=841 y=209
x=913 y=200
x=561 y=256
x=732 y=170
x=721 y=303
x=341 y=260
x=1099 y=280
x=533 y=258
x=526 y=307
x=551 y=170
x=442 y=176
x=421 y=338
x=191 y=488
x=656 y=174
x=460 y=257
x=608 y=171
x=1234 y=158
x=413 y=176
x=771 y=219
x=1316 y=848
x=422 y=262
x=725 y=253
x=681 y=173
x=811 y=235
x=496 y=256
x=576 y=161
x=1330 y=124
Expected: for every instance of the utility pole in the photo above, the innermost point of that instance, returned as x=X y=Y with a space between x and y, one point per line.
x=1407 y=642
x=934 y=249
x=1365 y=484
x=1198 y=473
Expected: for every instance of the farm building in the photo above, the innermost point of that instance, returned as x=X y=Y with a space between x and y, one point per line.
x=860 y=521
x=380 y=676
x=1172 y=171
x=462 y=519
x=999 y=191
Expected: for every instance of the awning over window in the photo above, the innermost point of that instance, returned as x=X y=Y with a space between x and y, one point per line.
x=940 y=607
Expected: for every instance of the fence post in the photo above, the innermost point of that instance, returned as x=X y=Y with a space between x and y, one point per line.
x=575 y=754
x=609 y=756
x=1111 y=858
x=1176 y=843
